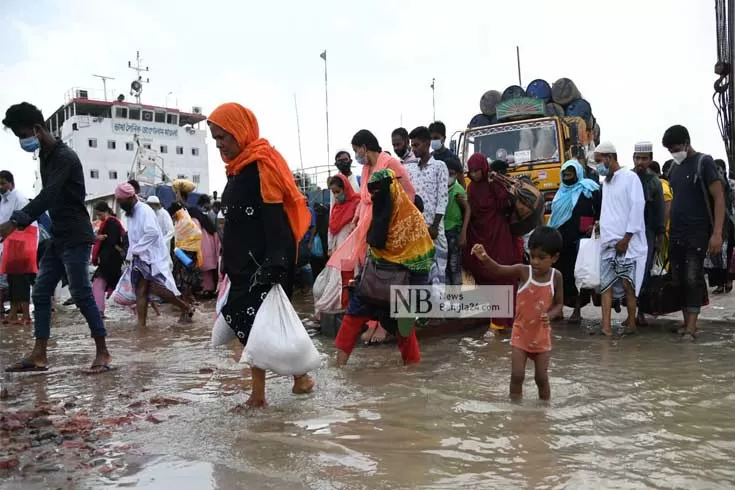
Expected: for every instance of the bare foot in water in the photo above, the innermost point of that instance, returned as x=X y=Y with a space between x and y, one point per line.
x=302 y=385
x=379 y=336
x=256 y=402
x=368 y=335
x=576 y=318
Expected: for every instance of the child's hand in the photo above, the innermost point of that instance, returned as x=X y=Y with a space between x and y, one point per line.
x=479 y=251
x=545 y=318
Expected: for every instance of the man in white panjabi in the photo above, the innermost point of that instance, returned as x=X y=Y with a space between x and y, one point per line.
x=623 y=246
x=165 y=223
x=147 y=254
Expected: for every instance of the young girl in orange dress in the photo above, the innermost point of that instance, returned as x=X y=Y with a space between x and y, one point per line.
x=539 y=300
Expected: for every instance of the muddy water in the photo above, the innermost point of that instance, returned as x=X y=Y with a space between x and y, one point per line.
x=644 y=412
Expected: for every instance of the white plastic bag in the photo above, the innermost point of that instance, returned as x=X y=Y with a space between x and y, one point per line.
x=658 y=269
x=327 y=291
x=221 y=332
x=124 y=293
x=278 y=341
x=587 y=267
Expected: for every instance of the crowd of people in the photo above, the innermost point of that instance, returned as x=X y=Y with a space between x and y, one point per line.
x=420 y=217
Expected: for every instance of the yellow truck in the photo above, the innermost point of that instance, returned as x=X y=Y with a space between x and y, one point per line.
x=534 y=136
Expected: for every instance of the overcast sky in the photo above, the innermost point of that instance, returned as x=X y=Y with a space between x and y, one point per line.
x=643 y=65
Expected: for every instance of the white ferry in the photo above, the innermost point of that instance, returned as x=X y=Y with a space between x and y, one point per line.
x=120 y=139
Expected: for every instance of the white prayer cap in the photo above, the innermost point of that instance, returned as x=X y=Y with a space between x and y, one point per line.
x=153 y=200
x=605 y=148
x=643 y=147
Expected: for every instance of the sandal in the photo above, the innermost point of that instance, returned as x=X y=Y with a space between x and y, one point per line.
x=25 y=366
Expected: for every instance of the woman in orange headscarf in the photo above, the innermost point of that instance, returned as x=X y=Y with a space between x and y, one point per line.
x=265 y=217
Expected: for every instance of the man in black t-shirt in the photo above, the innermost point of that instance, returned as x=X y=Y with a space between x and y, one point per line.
x=693 y=232
x=70 y=248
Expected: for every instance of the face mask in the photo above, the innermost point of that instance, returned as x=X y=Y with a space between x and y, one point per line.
x=343 y=167
x=569 y=181
x=340 y=198
x=30 y=144
x=452 y=180
x=402 y=153
x=602 y=170
x=679 y=156
x=361 y=159
x=127 y=207
x=436 y=144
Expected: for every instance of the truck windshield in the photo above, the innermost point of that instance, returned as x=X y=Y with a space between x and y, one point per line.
x=528 y=142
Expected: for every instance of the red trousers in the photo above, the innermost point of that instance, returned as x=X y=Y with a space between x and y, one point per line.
x=350 y=331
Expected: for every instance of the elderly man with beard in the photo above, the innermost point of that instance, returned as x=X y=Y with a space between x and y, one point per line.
x=623 y=248
x=147 y=255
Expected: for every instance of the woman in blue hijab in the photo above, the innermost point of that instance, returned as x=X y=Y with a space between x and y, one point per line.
x=574 y=210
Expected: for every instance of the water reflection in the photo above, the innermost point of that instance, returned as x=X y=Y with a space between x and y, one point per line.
x=643 y=412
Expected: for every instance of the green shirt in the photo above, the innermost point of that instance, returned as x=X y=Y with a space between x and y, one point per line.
x=453 y=216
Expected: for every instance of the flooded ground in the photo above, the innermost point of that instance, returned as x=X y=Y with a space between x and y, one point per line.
x=642 y=412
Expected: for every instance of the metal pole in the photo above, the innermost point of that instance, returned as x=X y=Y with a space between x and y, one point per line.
x=298 y=133
x=433 y=100
x=731 y=88
x=518 y=62
x=326 y=100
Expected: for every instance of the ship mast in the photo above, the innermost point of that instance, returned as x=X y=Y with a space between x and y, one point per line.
x=136 y=87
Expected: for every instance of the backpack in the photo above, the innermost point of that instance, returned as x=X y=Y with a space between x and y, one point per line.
x=729 y=197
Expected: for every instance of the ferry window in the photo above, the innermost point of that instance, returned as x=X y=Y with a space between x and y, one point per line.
x=179 y=150
x=148 y=116
x=147 y=146
x=111 y=145
x=195 y=178
x=195 y=152
x=164 y=149
x=160 y=117
x=94 y=174
x=129 y=146
x=181 y=176
x=121 y=112
x=113 y=174
x=92 y=142
x=172 y=119
x=134 y=114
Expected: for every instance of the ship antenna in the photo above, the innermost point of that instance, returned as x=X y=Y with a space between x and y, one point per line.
x=104 y=83
x=136 y=86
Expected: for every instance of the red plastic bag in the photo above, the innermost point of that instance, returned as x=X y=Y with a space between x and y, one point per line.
x=19 y=252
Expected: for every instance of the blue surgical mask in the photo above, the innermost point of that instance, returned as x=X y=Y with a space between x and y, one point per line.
x=340 y=198
x=30 y=144
x=452 y=180
x=436 y=144
x=361 y=159
x=602 y=170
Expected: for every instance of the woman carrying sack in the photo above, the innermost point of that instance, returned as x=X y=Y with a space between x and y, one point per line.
x=401 y=253
x=265 y=218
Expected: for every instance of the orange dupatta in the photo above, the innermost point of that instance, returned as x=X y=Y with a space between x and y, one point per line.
x=277 y=184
